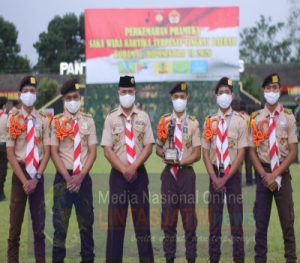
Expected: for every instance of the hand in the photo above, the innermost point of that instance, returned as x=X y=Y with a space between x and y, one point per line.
x=130 y=173
x=219 y=184
x=74 y=183
x=29 y=186
x=273 y=187
x=269 y=179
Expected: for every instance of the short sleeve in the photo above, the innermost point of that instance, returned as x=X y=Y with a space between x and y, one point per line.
x=148 y=138
x=92 y=140
x=107 y=134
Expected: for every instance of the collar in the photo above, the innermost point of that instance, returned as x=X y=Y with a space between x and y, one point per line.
x=277 y=111
x=33 y=113
x=181 y=118
x=227 y=113
x=121 y=112
x=75 y=116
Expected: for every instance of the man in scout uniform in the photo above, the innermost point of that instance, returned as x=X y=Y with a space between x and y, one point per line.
x=73 y=152
x=179 y=131
x=273 y=143
x=224 y=141
x=3 y=156
x=127 y=140
x=28 y=152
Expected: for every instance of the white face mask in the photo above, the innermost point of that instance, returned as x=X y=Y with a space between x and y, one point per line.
x=224 y=100
x=72 y=106
x=272 y=97
x=127 y=100
x=28 y=98
x=179 y=105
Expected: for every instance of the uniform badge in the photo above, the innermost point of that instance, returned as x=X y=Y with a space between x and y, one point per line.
x=185 y=129
x=282 y=124
x=282 y=141
x=84 y=125
x=188 y=145
x=140 y=137
x=231 y=144
x=116 y=138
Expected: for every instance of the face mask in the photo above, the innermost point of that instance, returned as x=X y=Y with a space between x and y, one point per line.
x=72 y=106
x=127 y=100
x=28 y=98
x=272 y=97
x=224 y=100
x=179 y=105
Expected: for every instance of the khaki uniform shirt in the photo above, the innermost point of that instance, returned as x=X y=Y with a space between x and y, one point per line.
x=285 y=132
x=88 y=136
x=236 y=134
x=190 y=133
x=114 y=132
x=42 y=132
x=3 y=127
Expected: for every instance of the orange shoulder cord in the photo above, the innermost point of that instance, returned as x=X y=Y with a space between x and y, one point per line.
x=15 y=127
x=258 y=134
x=162 y=131
x=63 y=131
x=209 y=132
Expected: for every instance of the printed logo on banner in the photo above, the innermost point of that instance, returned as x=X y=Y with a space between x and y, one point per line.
x=181 y=67
x=126 y=67
x=199 y=66
x=162 y=67
x=174 y=17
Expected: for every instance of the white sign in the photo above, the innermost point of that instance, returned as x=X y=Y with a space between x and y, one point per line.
x=76 y=68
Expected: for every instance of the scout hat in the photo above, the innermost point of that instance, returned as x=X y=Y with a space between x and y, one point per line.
x=28 y=81
x=179 y=87
x=270 y=79
x=223 y=82
x=127 y=82
x=70 y=85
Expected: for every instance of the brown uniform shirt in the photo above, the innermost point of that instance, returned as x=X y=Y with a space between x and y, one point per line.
x=88 y=136
x=285 y=132
x=42 y=132
x=191 y=133
x=236 y=134
x=3 y=127
x=114 y=132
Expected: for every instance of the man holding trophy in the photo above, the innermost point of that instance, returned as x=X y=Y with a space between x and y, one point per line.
x=178 y=144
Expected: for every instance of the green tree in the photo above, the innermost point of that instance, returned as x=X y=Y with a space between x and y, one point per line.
x=10 y=60
x=64 y=41
x=293 y=26
x=260 y=45
x=251 y=85
x=47 y=90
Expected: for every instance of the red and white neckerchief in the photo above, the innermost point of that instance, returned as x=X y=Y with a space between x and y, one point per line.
x=130 y=143
x=77 y=166
x=273 y=146
x=1 y=112
x=32 y=152
x=222 y=152
x=178 y=145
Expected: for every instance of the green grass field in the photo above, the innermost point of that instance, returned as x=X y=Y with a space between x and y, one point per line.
x=100 y=175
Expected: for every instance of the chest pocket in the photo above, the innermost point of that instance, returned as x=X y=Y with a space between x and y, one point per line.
x=117 y=137
x=84 y=134
x=232 y=140
x=139 y=134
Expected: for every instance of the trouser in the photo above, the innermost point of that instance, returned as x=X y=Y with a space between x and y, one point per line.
x=179 y=195
x=3 y=166
x=248 y=164
x=262 y=211
x=235 y=211
x=121 y=194
x=17 y=209
x=62 y=207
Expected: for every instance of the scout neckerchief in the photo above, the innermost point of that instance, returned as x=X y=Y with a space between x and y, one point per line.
x=32 y=152
x=222 y=152
x=1 y=113
x=178 y=140
x=77 y=166
x=129 y=139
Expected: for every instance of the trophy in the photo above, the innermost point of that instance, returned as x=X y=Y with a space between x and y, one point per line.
x=171 y=154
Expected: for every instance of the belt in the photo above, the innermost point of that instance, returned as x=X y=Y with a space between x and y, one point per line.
x=268 y=166
x=221 y=168
x=180 y=166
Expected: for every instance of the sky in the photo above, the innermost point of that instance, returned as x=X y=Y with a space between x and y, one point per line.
x=31 y=17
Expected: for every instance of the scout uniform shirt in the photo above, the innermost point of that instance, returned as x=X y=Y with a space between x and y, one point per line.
x=41 y=127
x=65 y=141
x=3 y=127
x=114 y=132
x=190 y=133
x=285 y=132
x=236 y=133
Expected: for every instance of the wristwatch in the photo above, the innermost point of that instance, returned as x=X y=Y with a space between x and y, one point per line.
x=38 y=176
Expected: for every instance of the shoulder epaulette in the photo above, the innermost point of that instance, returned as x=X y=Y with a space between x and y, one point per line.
x=254 y=114
x=87 y=115
x=114 y=110
x=288 y=111
x=43 y=114
x=58 y=116
x=167 y=115
x=240 y=115
x=15 y=113
x=192 y=117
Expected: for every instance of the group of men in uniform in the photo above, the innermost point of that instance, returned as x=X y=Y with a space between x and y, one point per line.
x=70 y=140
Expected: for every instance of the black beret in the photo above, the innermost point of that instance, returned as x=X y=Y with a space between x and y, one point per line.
x=70 y=85
x=179 y=87
x=28 y=81
x=223 y=82
x=3 y=100
x=126 y=82
x=270 y=79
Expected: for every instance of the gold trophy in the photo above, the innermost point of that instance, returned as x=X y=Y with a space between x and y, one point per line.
x=171 y=154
